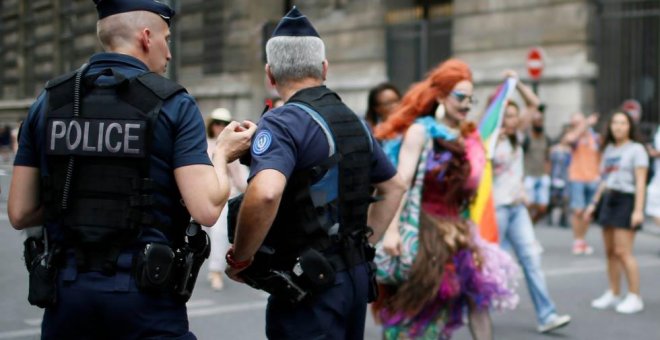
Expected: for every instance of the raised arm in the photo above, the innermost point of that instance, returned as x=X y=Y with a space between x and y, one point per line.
x=579 y=127
x=532 y=101
x=205 y=189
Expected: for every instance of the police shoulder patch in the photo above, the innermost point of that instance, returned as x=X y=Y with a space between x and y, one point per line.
x=261 y=142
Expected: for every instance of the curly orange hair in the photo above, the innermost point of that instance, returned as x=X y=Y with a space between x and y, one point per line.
x=422 y=97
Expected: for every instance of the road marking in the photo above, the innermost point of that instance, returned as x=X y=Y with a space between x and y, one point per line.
x=20 y=333
x=200 y=303
x=36 y=322
x=194 y=311
x=239 y=307
x=642 y=263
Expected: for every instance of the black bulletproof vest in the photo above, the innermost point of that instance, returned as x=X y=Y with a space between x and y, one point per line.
x=98 y=187
x=303 y=220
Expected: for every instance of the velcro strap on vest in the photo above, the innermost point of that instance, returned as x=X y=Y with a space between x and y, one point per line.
x=142 y=201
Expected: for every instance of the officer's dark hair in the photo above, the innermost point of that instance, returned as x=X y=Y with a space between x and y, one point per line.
x=116 y=30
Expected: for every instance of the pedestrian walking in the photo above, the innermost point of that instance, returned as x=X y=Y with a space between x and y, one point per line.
x=302 y=229
x=560 y=160
x=237 y=173
x=515 y=226
x=112 y=162
x=536 y=146
x=432 y=262
x=583 y=175
x=620 y=205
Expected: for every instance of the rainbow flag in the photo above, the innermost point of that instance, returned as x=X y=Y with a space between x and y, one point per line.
x=482 y=209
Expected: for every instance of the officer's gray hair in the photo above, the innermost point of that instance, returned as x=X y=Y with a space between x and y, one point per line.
x=120 y=29
x=295 y=58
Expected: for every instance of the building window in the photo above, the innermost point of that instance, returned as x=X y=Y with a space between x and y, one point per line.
x=418 y=37
x=628 y=51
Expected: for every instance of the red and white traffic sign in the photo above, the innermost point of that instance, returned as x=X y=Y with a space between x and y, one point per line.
x=535 y=63
x=633 y=108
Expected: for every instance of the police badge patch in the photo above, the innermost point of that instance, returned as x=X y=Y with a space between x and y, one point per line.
x=261 y=142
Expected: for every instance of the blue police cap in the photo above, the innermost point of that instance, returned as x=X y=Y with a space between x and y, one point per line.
x=107 y=8
x=295 y=24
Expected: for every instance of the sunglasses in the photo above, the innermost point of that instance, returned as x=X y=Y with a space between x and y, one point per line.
x=460 y=97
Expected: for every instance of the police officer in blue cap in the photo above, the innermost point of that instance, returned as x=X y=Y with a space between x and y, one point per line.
x=113 y=161
x=302 y=230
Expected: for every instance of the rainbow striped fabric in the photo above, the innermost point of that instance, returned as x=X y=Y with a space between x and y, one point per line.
x=482 y=209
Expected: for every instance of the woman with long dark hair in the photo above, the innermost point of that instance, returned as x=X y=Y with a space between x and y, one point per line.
x=431 y=262
x=620 y=198
x=381 y=102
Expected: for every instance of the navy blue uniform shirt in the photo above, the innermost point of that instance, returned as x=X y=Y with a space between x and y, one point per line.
x=179 y=140
x=288 y=139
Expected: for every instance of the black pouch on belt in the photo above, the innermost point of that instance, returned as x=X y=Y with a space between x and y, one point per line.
x=153 y=267
x=314 y=270
x=42 y=289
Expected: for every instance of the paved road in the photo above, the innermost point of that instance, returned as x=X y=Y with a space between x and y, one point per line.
x=238 y=312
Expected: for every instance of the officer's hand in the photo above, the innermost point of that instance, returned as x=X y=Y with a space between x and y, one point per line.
x=234 y=274
x=235 y=139
x=392 y=243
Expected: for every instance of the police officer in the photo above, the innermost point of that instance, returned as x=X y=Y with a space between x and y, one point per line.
x=113 y=161
x=313 y=162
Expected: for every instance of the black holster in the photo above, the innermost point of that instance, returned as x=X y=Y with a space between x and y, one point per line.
x=42 y=291
x=161 y=269
x=370 y=254
x=279 y=283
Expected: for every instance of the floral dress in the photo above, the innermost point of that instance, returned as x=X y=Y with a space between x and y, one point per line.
x=488 y=283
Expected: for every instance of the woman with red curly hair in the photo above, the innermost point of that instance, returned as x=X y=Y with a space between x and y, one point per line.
x=431 y=262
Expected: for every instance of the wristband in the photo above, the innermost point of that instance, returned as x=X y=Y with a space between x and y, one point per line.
x=236 y=264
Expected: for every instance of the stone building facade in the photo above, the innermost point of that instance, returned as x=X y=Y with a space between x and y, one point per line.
x=218 y=47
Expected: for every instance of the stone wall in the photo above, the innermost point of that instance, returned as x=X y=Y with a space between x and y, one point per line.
x=219 y=48
x=353 y=32
x=494 y=35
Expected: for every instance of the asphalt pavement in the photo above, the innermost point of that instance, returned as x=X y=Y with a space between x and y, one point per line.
x=237 y=312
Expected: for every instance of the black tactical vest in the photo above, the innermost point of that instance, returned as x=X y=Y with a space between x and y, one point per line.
x=323 y=206
x=98 y=187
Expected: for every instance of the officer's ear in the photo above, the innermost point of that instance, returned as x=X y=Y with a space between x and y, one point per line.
x=271 y=79
x=325 y=68
x=145 y=39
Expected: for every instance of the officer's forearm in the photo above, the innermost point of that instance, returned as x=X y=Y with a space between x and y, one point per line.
x=220 y=166
x=382 y=212
x=258 y=211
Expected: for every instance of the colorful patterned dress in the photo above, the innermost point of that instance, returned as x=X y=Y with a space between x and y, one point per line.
x=489 y=283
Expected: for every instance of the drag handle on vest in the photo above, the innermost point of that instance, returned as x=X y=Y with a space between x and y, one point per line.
x=190 y=258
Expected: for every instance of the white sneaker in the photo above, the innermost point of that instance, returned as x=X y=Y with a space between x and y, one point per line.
x=554 y=322
x=605 y=301
x=631 y=304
